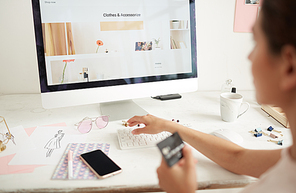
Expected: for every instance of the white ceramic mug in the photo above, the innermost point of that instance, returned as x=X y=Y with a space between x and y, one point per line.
x=230 y=105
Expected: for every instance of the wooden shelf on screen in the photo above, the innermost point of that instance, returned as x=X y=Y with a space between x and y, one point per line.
x=277 y=114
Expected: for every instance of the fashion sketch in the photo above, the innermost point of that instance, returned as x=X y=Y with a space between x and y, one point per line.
x=54 y=143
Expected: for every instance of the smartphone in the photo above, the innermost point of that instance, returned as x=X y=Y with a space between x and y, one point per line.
x=100 y=164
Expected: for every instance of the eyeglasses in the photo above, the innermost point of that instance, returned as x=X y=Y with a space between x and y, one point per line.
x=85 y=125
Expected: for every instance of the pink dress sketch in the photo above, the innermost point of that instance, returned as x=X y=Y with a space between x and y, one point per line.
x=54 y=143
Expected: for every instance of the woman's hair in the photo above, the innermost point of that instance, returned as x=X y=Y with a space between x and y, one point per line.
x=279 y=23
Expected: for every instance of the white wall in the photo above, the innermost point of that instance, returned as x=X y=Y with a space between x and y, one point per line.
x=222 y=53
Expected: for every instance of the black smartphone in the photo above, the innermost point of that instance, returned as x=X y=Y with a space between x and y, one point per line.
x=100 y=164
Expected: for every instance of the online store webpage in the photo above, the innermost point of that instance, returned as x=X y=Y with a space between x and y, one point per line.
x=93 y=40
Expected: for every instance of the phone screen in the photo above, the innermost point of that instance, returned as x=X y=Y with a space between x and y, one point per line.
x=100 y=163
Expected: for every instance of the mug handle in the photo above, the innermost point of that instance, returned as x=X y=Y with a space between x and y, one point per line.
x=244 y=103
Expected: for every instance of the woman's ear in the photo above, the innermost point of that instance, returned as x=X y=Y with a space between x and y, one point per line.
x=288 y=67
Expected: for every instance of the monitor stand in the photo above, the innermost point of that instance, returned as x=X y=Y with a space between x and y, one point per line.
x=121 y=110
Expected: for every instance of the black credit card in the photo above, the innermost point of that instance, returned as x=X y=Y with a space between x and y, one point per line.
x=171 y=149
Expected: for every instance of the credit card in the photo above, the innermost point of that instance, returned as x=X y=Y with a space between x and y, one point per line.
x=171 y=149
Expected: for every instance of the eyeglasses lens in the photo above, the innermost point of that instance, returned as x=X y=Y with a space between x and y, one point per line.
x=102 y=121
x=85 y=126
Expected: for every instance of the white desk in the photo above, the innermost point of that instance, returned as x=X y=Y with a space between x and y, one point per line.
x=199 y=110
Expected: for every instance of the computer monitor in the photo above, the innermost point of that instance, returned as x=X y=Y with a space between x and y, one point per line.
x=112 y=51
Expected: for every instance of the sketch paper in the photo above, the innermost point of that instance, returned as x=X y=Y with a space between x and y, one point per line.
x=14 y=169
x=50 y=144
x=22 y=142
x=63 y=124
x=30 y=130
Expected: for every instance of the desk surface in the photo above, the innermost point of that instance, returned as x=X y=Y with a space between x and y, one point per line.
x=198 y=110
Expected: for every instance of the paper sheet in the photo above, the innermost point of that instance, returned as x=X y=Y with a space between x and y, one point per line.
x=30 y=130
x=50 y=142
x=22 y=142
x=7 y=169
x=245 y=16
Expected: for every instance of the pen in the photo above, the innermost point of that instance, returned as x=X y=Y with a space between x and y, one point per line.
x=70 y=164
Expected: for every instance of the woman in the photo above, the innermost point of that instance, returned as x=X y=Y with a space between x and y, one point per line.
x=274 y=70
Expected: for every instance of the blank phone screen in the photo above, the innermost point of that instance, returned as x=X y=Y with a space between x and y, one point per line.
x=100 y=162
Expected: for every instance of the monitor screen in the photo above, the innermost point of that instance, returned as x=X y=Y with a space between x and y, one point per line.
x=113 y=44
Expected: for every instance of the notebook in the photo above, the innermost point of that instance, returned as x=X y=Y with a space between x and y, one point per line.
x=80 y=170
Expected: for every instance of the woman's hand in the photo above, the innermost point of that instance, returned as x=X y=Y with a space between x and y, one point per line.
x=181 y=177
x=153 y=125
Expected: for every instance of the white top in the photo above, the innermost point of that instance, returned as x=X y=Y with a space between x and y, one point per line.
x=280 y=178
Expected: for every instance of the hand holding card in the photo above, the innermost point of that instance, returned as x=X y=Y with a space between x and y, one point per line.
x=171 y=149
x=180 y=177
